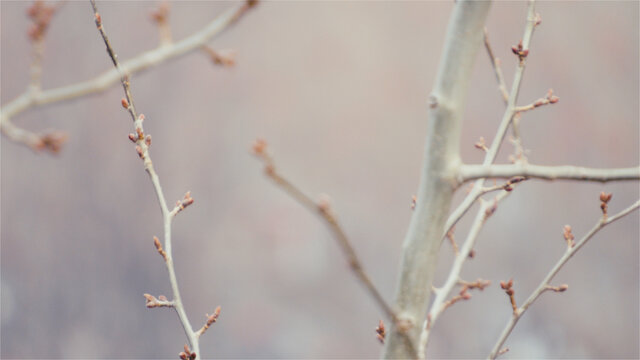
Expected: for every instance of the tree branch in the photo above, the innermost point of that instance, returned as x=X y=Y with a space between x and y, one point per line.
x=323 y=209
x=472 y=172
x=495 y=63
x=423 y=239
x=507 y=118
x=143 y=142
x=545 y=284
x=103 y=82
x=442 y=293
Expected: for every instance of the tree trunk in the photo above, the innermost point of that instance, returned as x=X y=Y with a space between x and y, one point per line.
x=437 y=183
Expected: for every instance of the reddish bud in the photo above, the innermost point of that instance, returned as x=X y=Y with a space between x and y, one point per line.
x=125 y=103
x=132 y=137
x=259 y=146
x=605 y=197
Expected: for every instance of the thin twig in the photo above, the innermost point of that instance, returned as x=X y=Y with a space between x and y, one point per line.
x=495 y=63
x=472 y=172
x=323 y=209
x=439 y=304
x=509 y=113
x=544 y=285
x=142 y=147
x=104 y=81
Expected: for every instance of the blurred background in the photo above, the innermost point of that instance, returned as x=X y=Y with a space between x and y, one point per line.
x=339 y=91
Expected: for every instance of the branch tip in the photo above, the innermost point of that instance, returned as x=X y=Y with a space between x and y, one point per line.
x=508 y=289
x=604 y=201
x=568 y=236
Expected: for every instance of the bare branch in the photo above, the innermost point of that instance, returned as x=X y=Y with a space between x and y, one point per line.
x=323 y=209
x=495 y=62
x=507 y=118
x=547 y=100
x=439 y=304
x=472 y=172
x=545 y=284
x=104 y=81
x=142 y=148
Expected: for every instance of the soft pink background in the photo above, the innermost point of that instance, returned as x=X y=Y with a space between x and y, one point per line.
x=339 y=91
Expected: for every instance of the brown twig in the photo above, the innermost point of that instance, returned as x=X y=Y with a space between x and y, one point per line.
x=142 y=148
x=495 y=63
x=224 y=58
x=210 y=320
x=507 y=286
x=323 y=209
x=544 y=285
x=549 y=99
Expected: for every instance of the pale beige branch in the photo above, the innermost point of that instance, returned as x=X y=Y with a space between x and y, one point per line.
x=472 y=172
x=143 y=142
x=495 y=63
x=104 y=81
x=441 y=155
x=507 y=118
x=545 y=284
x=323 y=209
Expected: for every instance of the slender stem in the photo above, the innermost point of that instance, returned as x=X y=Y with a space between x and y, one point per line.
x=332 y=222
x=35 y=69
x=471 y=172
x=509 y=113
x=104 y=81
x=143 y=152
x=495 y=63
x=546 y=281
x=442 y=293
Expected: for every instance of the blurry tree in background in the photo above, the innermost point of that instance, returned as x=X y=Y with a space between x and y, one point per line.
x=330 y=94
